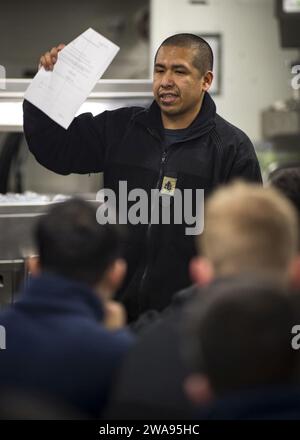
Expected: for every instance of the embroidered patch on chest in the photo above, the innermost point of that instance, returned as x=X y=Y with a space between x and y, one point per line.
x=168 y=185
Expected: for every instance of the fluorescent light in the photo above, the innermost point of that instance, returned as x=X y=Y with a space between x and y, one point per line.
x=11 y=114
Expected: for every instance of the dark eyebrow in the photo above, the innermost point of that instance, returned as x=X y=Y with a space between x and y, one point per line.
x=174 y=66
x=179 y=66
x=159 y=65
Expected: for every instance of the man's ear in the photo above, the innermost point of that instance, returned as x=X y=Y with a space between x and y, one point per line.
x=114 y=275
x=207 y=80
x=33 y=266
x=198 y=389
x=294 y=273
x=201 y=271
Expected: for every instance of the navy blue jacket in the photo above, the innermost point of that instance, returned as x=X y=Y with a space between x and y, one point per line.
x=57 y=347
x=128 y=145
x=275 y=402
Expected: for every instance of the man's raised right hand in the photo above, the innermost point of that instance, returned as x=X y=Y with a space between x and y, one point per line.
x=49 y=58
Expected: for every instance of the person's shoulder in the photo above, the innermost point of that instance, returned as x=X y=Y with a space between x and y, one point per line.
x=228 y=131
x=183 y=296
x=153 y=318
x=125 y=113
x=114 y=339
x=122 y=337
x=105 y=346
x=233 y=141
x=118 y=120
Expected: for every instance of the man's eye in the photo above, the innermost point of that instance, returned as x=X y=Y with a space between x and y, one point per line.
x=182 y=72
x=158 y=71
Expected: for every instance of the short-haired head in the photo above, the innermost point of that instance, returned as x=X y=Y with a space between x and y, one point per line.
x=249 y=228
x=71 y=243
x=203 y=54
x=238 y=335
x=287 y=180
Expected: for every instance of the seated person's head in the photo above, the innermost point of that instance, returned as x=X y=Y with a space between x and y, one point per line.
x=239 y=338
x=248 y=228
x=71 y=243
x=287 y=180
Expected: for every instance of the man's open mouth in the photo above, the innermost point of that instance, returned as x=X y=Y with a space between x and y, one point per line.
x=168 y=98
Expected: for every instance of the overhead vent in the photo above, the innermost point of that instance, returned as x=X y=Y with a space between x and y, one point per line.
x=199 y=2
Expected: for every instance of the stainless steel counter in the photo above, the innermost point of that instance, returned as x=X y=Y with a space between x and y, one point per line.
x=16 y=226
x=17 y=223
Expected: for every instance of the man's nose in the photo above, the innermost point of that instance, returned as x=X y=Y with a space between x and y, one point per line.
x=167 y=80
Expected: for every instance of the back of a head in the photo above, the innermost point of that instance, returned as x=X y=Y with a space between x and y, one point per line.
x=287 y=180
x=203 y=56
x=249 y=228
x=239 y=335
x=70 y=242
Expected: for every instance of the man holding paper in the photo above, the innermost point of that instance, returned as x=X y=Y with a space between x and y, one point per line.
x=179 y=143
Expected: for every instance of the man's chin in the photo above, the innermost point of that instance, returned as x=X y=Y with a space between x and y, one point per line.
x=169 y=109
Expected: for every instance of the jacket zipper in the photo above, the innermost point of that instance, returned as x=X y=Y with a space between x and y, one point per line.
x=158 y=183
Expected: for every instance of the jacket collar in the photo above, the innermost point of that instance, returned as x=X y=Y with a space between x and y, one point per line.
x=50 y=293
x=203 y=123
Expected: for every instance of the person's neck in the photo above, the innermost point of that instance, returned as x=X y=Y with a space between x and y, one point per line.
x=178 y=122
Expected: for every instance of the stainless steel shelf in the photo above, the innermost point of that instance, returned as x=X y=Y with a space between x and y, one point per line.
x=106 y=95
x=105 y=88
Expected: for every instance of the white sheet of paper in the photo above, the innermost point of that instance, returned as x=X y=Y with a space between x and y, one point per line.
x=60 y=93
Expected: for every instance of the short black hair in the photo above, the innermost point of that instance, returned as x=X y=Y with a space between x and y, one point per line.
x=71 y=243
x=204 y=58
x=239 y=335
x=287 y=180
